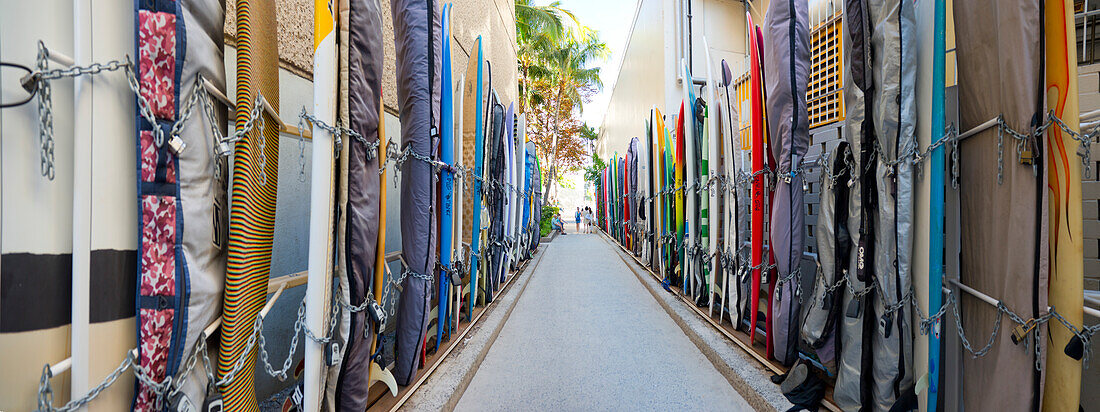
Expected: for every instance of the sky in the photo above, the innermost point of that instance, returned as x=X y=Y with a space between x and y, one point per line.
x=612 y=19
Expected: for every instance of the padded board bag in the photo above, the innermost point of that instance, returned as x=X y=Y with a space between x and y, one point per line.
x=181 y=196
x=787 y=60
x=416 y=33
x=358 y=190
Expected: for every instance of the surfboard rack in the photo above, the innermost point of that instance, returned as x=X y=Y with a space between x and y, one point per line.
x=213 y=91
x=56 y=56
x=379 y=374
x=994 y=302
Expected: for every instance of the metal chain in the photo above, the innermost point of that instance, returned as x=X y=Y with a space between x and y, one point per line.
x=45 y=116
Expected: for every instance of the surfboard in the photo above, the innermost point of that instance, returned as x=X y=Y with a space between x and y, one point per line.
x=39 y=332
x=496 y=197
x=687 y=119
x=521 y=187
x=473 y=134
x=653 y=205
x=714 y=216
x=731 y=143
x=680 y=189
x=660 y=172
x=930 y=191
x=991 y=190
x=380 y=256
x=758 y=189
x=105 y=216
x=447 y=179
x=253 y=192
x=459 y=218
x=1063 y=373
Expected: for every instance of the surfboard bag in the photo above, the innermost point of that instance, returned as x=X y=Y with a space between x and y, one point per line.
x=849 y=392
x=358 y=192
x=1001 y=73
x=823 y=309
x=786 y=30
x=893 y=115
x=417 y=29
x=537 y=215
x=182 y=266
x=495 y=198
x=532 y=192
x=632 y=193
x=508 y=229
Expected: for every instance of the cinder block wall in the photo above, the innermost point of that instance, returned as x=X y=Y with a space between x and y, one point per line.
x=1088 y=84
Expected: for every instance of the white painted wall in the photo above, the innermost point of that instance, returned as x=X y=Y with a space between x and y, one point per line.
x=642 y=84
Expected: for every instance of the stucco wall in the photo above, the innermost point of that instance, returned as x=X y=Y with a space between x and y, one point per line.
x=639 y=85
x=494 y=20
x=649 y=75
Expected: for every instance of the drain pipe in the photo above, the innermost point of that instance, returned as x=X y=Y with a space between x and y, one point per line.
x=691 y=68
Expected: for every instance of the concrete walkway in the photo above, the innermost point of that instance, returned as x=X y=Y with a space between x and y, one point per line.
x=586 y=335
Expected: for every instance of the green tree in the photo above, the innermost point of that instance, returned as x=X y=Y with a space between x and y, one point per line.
x=557 y=77
x=569 y=74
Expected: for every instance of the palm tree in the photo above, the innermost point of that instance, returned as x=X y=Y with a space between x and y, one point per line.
x=537 y=28
x=566 y=68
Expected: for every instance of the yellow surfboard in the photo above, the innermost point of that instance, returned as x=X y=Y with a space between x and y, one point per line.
x=1066 y=295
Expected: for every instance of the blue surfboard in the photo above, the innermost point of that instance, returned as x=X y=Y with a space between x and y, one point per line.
x=935 y=226
x=479 y=166
x=447 y=179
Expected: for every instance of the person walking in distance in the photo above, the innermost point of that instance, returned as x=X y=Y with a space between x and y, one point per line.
x=588 y=220
x=577 y=220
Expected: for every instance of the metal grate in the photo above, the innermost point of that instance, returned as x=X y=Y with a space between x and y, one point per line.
x=824 y=96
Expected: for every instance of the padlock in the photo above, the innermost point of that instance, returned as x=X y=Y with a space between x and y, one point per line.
x=219 y=232
x=30 y=82
x=853 y=309
x=1019 y=333
x=884 y=325
x=213 y=401
x=176 y=145
x=1075 y=348
x=456 y=278
x=180 y=403
x=224 y=149
x=377 y=314
x=332 y=349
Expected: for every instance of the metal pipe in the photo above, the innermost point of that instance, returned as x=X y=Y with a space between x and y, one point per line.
x=1090 y=115
x=993 y=302
x=979 y=128
x=61 y=367
x=59 y=58
x=691 y=67
x=1085 y=30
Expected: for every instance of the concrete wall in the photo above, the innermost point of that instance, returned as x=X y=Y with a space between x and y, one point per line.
x=1088 y=88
